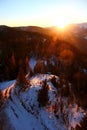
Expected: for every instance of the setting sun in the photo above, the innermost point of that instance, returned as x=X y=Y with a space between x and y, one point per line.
x=63 y=16
x=61 y=23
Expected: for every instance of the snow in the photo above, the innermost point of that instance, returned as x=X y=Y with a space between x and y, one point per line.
x=75 y=116
x=32 y=63
x=23 y=111
x=4 y=85
x=27 y=120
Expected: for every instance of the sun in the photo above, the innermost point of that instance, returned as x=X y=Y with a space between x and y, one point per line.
x=61 y=22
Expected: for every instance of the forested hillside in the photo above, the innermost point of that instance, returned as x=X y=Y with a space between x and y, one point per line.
x=28 y=51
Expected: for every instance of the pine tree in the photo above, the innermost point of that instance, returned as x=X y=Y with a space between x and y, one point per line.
x=54 y=82
x=22 y=82
x=28 y=68
x=43 y=95
x=39 y=67
x=1 y=99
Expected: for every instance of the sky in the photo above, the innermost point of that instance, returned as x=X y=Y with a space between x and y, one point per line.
x=42 y=12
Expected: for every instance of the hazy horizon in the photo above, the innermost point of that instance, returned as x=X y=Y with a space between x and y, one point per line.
x=42 y=13
x=41 y=26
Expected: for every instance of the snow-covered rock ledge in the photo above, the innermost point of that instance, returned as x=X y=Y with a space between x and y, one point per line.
x=21 y=109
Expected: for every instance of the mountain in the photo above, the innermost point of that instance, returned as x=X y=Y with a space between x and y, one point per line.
x=74 y=33
x=49 y=31
x=21 y=109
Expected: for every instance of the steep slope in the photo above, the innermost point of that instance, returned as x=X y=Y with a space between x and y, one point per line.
x=21 y=110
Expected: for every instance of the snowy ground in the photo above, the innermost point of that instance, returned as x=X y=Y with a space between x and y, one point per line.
x=23 y=112
x=6 y=84
x=32 y=63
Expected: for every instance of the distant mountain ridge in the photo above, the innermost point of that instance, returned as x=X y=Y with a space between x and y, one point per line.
x=74 y=33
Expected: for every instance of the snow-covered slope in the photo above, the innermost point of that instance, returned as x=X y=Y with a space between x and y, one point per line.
x=20 y=108
x=4 y=85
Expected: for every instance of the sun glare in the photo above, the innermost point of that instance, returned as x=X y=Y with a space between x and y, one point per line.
x=63 y=17
x=61 y=23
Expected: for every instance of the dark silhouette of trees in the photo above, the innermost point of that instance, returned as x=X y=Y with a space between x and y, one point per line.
x=83 y=124
x=65 y=90
x=1 y=98
x=55 y=82
x=43 y=94
x=28 y=68
x=80 y=87
x=39 y=67
x=22 y=82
